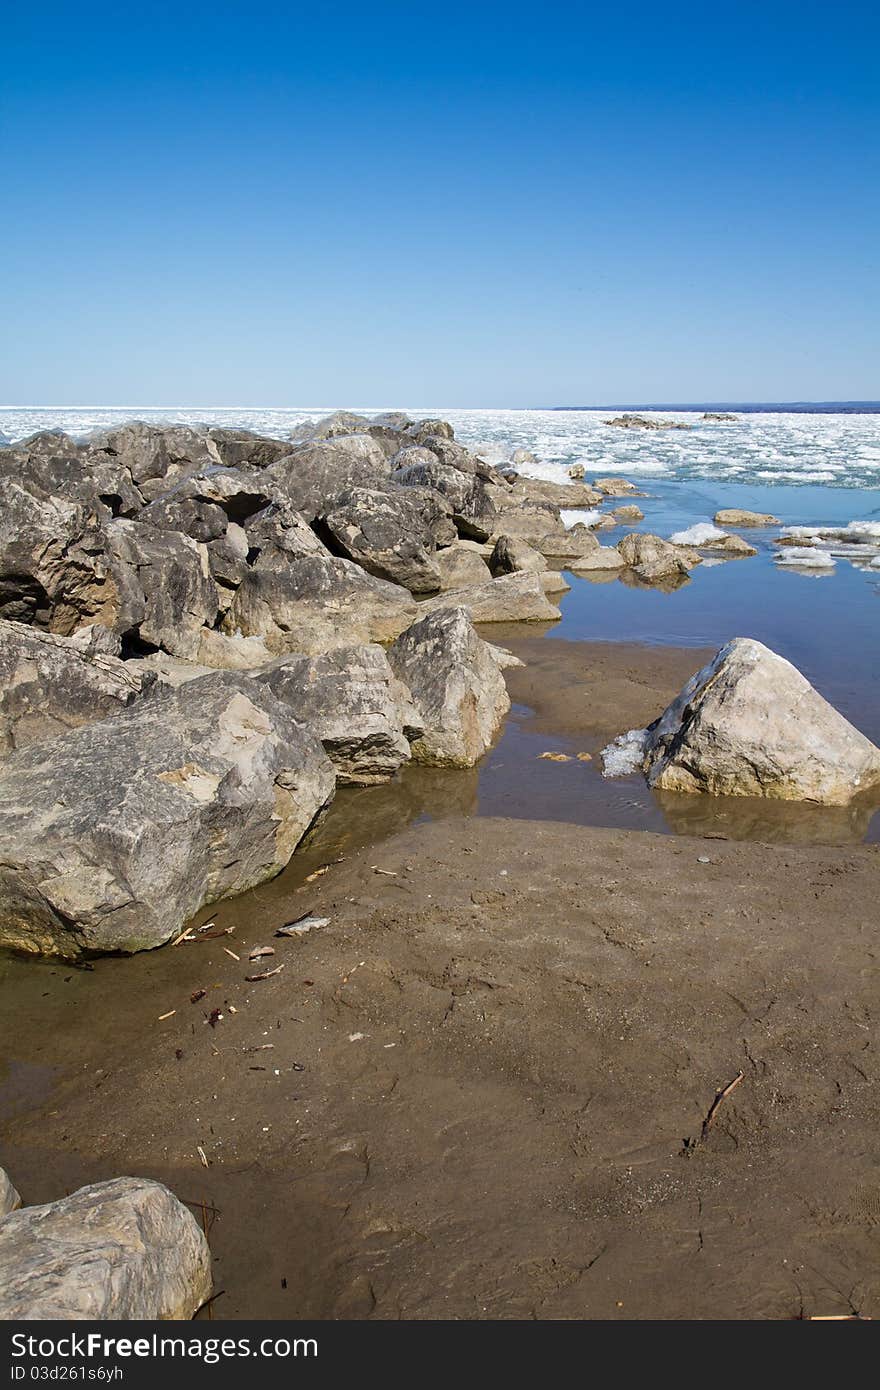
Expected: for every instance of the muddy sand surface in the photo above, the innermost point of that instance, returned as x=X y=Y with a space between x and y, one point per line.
x=480 y=1091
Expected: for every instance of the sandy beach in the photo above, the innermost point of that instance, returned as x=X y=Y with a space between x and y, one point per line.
x=480 y=1090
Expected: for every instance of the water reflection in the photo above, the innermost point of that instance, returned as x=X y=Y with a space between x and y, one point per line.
x=773 y=822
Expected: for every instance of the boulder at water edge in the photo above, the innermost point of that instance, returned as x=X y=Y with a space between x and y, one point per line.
x=114 y=834
x=125 y=1249
x=749 y=724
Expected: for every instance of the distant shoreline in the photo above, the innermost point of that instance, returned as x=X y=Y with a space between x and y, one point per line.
x=753 y=407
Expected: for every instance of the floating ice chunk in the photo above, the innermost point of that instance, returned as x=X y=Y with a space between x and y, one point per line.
x=875 y=563
x=570 y=517
x=624 y=755
x=803 y=533
x=806 y=557
x=861 y=531
x=853 y=531
x=703 y=533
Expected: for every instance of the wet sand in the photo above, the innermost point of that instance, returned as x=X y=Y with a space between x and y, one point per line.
x=480 y=1091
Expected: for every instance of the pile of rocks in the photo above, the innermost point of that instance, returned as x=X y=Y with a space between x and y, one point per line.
x=646 y=422
x=204 y=631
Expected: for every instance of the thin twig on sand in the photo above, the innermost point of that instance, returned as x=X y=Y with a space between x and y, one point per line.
x=720 y=1097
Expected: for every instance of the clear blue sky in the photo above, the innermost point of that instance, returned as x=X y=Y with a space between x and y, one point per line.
x=484 y=204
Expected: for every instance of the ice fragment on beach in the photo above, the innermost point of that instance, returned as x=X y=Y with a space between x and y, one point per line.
x=624 y=754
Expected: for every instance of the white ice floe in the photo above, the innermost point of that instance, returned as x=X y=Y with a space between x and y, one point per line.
x=806 y=557
x=624 y=754
x=854 y=531
x=702 y=533
x=802 y=533
x=571 y=517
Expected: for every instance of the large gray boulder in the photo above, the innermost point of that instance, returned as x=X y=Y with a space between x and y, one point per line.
x=314 y=476
x=34 y=534
x=473 y=508
x=431 y=428
x=50 y=684
x=116 y=833
x=242 y=448
x=352 y=701
x=51 y=464
x=533 y=522
x=738 y=516
x=461 y=567
x=120 y=1250
x=576 y=495
x=155 y=456
x=390 y=534
x=146 y=584
x=9 y=1198
x=603 y=557
x=749 y=724
x=339 y=422
x=456 y=686
x=512 y=598
x=317 y=602
x=573 y=543
x=62 y=568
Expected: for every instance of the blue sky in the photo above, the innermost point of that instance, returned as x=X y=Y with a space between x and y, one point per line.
x=485 y=204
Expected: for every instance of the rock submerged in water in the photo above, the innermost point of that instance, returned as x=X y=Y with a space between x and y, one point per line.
x=116 y=833
x=749 y=724
x=120 y=1250
x=736 y=516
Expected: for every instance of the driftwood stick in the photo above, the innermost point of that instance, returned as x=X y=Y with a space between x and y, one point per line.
x=720 y=1097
